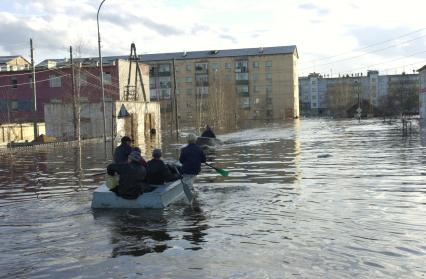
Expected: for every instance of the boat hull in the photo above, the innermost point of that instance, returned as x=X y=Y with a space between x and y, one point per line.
x=161 y=197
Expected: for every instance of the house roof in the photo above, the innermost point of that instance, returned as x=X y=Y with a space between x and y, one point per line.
x=5 y=59
x=422 y=68
x=219 y=53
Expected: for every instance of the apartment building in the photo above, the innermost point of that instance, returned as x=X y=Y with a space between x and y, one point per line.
x=422 y=95
x=223 y=87
x=375 y=94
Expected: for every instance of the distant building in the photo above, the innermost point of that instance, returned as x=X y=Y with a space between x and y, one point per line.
x=223 y=87
x=13 y=63
x=374 y=94
x=422 y=95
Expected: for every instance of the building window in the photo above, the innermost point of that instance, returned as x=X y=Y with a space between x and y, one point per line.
x=245 y=103
x=82 y=80
x=177 y=69
x=201 y=67
x=164 y=68
x=202 y=90
x=14 y=82
x=228 y=66
x=255 y=76
x=241 y=66
x=165 y=93
x=256 y=88
x=188 y=67
x=152 y=83
x=256 y=64
x=215 y=66
x=268 y=76
x=202 y=80
x=189 y=91
x=268 y=64
x=241 y=76
x=268 y=89
x=243 y=90
x=165 y=82
x=54 y=81
x=107 y=78
x=188 y=79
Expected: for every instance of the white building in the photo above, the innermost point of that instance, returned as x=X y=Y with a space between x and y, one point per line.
x=422 y=95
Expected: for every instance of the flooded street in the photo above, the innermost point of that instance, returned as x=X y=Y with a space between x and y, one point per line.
x=304 y=199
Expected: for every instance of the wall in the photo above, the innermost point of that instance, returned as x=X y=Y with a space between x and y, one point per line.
x=60 y=124
x=19 y=132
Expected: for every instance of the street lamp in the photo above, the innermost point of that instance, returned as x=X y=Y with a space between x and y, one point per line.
x=102 y=74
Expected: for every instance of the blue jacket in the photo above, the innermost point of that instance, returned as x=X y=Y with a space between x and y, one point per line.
x=191 y=158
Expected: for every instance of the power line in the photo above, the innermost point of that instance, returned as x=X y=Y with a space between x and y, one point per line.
x=368 y=46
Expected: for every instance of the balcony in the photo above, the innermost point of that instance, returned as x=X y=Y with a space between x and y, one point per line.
x=242 y=82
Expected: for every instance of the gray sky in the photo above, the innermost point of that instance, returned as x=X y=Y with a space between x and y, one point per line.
x=332 y=36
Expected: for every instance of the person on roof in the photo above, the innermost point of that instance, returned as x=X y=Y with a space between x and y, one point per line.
x=208 y=133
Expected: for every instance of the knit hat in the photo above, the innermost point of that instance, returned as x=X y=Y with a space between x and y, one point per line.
x=135 y=156
x=156 y=153
x=125 y=139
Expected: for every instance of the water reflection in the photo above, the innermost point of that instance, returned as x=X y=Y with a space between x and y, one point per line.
x=135 y=232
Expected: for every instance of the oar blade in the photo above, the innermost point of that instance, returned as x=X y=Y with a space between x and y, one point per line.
x=222 y=172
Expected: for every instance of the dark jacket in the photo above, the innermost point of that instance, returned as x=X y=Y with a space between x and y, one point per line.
x=191 y=158
x=131 y=182
x=121 y=153
x=157 y=172
x=208 y=133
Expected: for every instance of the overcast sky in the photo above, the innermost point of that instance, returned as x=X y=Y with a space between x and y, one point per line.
x=332 y=36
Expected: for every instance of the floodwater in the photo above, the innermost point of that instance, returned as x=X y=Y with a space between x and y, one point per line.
x=305 y=199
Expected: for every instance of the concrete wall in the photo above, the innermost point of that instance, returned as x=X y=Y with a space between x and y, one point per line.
x=19 y=132
x=60 y=124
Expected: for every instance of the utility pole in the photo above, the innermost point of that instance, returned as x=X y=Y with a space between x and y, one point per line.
x=76 y=100
x=175 y=101
x=34 y=90
x=102 y=76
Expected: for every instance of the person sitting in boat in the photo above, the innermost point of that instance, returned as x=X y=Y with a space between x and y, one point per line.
x=132 y=177
x=208 y=133
x=191 y=157
x=157 y=172
x=142 y=161
x=122 y=152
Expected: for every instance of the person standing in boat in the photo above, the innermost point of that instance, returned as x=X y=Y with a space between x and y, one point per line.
x=122 y=152
x=157 y=172
x=132 y=177
x=208 y=133
x=191 y=157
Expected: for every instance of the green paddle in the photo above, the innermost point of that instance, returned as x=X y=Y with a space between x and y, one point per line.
x=218 y=170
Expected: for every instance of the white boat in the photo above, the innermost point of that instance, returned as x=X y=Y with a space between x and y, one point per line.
x=160 y=197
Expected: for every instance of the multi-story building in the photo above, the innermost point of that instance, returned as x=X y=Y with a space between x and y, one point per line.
x=222 y=87
x=422 y=96
x=373 y=93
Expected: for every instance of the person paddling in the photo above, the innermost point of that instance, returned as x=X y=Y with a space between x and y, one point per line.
x=208 y=133
x=191 y=157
